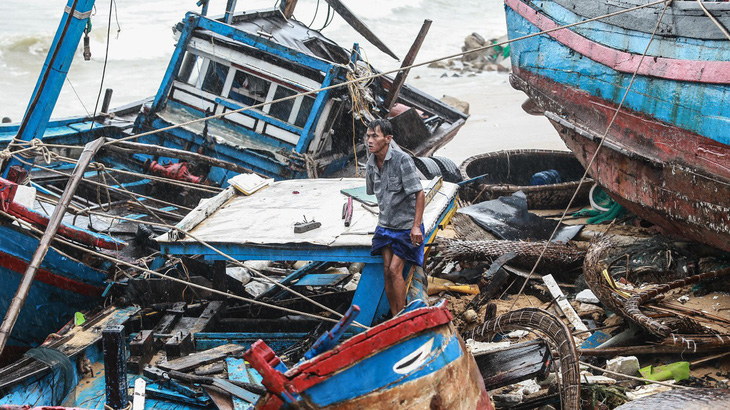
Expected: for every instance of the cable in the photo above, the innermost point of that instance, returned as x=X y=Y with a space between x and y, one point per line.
x=106 y=59
x=373 y=76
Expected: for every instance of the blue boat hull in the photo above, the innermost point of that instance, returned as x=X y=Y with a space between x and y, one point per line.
x=62 y=287
x=665 y=151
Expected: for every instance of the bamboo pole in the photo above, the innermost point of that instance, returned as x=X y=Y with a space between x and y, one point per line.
x=40 y=253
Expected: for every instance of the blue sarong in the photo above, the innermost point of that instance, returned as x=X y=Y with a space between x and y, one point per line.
x=400 y=242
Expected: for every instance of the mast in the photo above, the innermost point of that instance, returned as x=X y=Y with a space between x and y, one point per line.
x=47 y=89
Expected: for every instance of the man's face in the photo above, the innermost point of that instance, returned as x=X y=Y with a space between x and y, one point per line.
x=377 y=142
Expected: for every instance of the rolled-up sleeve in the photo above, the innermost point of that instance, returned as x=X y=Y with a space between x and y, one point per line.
x=411 y=183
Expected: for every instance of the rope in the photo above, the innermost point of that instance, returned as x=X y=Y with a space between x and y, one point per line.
x=641 y=379
x=163 y=276
x=110 y=187
x=378 y=75
x=100 y=172
x=219 y=252
x=595 y=154
x=714 y=20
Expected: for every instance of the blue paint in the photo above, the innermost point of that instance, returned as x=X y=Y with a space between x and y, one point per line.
x=264 y=44
x=238 y=370
x=259 y=116
x=52 y=75
x=688 y=105
x=47 y=307
x=615 y=37
x=191 y=22
x=331 y=338
x=319 y=102
x=376 y=373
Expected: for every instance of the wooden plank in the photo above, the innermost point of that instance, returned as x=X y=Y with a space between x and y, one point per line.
x=322 y=279
x=520 y=362
x=563 y=303
x=240 y=372
x=196 y=359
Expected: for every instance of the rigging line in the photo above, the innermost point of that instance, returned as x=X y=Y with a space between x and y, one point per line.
x=184 y=184
x=104 y=185
x=373 y=76
x=714 y=20
x=316 y=10
x=68 y=80
x=163 y=276
x=106 y=59
x=273 y=282
x=116 y=17
x=676 y=386
x=221 y=253
x=595 y=154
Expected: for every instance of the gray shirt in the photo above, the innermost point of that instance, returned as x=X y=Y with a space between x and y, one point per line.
x=395 y=186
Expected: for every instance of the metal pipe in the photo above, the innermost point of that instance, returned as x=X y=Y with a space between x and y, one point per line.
x=40 y=253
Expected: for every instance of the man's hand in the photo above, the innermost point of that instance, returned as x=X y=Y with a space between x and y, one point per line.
x=416 y=236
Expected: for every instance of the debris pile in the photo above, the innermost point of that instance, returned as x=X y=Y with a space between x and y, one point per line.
x=647 y=314
x=481 y=59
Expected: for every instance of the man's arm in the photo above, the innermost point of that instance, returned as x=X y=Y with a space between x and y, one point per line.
x=416 y=234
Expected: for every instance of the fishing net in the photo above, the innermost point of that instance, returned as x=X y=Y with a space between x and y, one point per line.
x=62 y=370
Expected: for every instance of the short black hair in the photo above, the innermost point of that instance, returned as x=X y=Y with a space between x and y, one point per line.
x=385 y=126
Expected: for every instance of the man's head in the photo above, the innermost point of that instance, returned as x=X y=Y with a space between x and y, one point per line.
x=378 y=136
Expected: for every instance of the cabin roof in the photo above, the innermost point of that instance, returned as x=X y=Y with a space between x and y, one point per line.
x=267 y=217
x=272 y=25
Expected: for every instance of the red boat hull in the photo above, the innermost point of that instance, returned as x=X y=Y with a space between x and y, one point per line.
x=669 y=176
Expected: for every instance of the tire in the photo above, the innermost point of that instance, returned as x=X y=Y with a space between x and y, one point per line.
x=428 y=167
x=449 y=170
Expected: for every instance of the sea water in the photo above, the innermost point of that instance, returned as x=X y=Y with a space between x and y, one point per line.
x=140 y=42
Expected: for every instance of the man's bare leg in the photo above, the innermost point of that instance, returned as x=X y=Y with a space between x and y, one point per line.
x=395 y=286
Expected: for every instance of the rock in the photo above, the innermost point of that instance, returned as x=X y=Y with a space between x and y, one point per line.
x=470 y=316
x=647 y=390
x=588 y=310
x=438 y=64
x=589 y=378
x=460 y=105
x=586 y=296
x=528 y=387
x=628 y=365
x=474 y=40
x=471 y=42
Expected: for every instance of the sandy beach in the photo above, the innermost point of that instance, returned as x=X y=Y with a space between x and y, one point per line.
x=497 y=121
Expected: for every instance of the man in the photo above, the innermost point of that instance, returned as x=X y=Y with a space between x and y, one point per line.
x=392 y=177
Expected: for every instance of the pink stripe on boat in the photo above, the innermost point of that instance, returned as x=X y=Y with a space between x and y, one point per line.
x=715 y=72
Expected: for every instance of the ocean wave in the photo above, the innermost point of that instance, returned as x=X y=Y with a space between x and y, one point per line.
x=33 y=43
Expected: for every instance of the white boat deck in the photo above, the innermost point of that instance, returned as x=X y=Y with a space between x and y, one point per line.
x=267 y=217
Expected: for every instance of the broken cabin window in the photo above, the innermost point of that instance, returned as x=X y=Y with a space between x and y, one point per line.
x=190 y=70
x=304 y=110
x=215 y=78
x=248 y=89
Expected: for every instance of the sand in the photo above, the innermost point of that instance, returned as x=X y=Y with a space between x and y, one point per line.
x=496 y=122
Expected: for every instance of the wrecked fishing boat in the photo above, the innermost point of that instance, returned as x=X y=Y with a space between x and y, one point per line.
x=664 y=156
x=184 y=353
x=244 y=93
